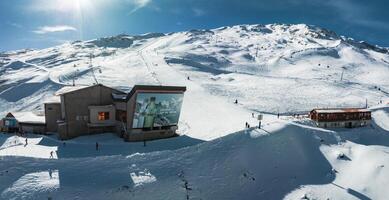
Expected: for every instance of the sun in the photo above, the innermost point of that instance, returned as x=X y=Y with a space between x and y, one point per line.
x=73 y=5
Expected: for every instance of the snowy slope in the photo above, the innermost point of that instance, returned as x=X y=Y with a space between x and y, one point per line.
x=287 y=159
x=267 y=68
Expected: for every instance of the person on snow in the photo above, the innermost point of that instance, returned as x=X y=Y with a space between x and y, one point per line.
x=236 y=101
x=97 y=146
x=26 y=142
x=51 y=154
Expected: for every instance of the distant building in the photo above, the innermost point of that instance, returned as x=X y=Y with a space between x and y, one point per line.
x=341 y=117
x=9 y=124
x=26 y=122
x=145 y=113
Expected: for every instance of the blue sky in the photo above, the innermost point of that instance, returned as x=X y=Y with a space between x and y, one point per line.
x=44 y=23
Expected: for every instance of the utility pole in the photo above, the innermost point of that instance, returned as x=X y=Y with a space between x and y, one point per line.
x=90 y=59
x=74 y=75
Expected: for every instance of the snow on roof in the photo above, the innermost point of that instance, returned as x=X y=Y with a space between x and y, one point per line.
x=68 y=89
x=29 y=117
x=116 y=96
x=53 y=99
x=341 y=110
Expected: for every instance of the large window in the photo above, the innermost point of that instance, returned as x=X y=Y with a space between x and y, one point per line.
x=102 y=116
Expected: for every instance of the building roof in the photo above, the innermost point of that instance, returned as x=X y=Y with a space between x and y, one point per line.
x=29 y=117
x=68 y=89
x=122 y=96
x=341 y=110
x=53 y=99
x=10 y=115
x=156 y=88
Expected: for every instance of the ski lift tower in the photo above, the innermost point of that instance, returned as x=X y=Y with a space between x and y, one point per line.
x=93 y=69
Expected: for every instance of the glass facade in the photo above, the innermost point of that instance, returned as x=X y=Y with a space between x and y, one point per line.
x=157 y=110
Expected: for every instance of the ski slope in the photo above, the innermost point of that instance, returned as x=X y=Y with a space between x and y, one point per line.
x=287 y=159
x=269 y=69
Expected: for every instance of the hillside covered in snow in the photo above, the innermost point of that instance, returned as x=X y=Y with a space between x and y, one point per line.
x=269 y=69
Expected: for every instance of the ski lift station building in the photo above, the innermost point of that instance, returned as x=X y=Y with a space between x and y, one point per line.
x=145 y=113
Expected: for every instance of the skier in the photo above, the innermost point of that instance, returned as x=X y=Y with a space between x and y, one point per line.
x=278 y=115
x=259 y=124
x=51 y=154
x=97 y=146
x=26 y=142
x=188 y=78
x=236 y=101
x=252 y=114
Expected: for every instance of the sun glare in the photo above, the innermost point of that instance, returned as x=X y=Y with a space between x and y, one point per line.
x=63 y=6
x=73 y=5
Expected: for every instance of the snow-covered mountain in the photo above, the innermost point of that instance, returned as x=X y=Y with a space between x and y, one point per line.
x=271 y=69
x=263 y=66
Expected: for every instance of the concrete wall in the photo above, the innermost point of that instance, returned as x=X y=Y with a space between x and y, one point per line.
x=52 y=115
x=62 y=130
x=121 y=106
x=130 y=111
x=33 y=128
x=76 y=109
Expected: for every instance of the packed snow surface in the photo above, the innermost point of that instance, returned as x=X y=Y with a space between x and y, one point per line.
x=269 y=69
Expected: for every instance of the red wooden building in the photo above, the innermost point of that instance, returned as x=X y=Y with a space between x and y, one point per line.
x=341 y=117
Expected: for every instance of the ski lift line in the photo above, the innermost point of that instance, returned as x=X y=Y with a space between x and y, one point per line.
x=155 y=51
x=140 y=53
